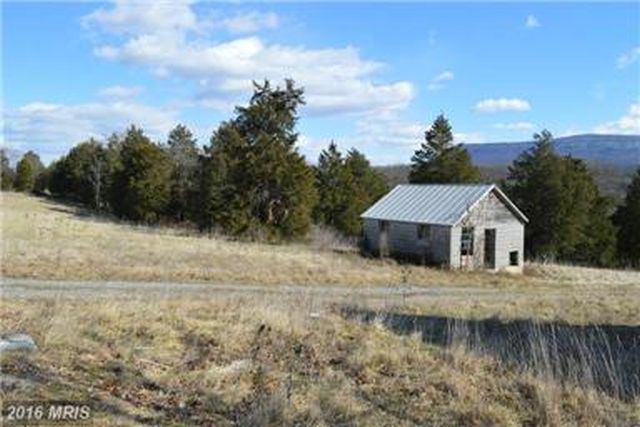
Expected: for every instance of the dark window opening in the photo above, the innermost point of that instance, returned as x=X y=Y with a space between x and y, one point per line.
x=384 y=226
x=423 y=231
x=466 y=241
x=513 y=258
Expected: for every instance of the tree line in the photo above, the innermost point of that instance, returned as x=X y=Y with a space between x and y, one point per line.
x=570 y=220
x=248 y=181
x=251 y=181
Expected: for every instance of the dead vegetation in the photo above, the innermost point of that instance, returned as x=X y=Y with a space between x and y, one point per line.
x=49 y=240
x=262 y=361
x=280 y=359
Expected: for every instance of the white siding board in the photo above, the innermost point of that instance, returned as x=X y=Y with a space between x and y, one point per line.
x=491 y=213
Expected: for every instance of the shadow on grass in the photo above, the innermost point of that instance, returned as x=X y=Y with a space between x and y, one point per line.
x=605 y=357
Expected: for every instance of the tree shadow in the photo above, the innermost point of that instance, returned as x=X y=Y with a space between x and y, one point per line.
x=69 y=207
x=605 y=357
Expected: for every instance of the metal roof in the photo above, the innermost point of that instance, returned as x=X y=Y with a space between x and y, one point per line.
x=444 y=204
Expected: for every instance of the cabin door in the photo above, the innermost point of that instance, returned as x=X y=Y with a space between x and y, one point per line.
x=490 y=248
x=383 y=238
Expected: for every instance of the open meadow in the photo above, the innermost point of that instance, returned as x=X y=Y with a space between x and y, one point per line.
x=44 y=239
x=277 y=357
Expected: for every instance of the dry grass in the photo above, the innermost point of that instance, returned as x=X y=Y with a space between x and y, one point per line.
x=616 y=308
x=45 y=239
x=250 y=361
x=281 y=359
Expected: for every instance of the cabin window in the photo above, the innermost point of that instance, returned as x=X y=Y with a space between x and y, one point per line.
x=383 y=226
x=466 y=241
x=514 y=258
x=423 y=231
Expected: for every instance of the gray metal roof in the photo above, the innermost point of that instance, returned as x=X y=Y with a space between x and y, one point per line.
x=444 y=204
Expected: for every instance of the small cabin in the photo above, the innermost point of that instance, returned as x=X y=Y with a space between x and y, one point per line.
x=469 y=226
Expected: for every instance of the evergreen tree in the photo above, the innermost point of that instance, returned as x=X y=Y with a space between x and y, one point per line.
x=371 y=183
x=222 y=182
x=367 y=186
x=334 y=183
x=601 y=239
x=535 y=185
x=568 y=216
x=140 y=187
x=255 y=181
x=41 y=184
x=627 y=219
x=82 y=174
x=113 y=160
x=183 y=153
x=346 y=187
x=587 y=233
x=440 y=161
x=7 y=173
x=27 y=171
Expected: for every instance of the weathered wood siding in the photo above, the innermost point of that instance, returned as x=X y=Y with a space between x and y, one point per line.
x=371 y=234
x=489 y=213
x=402 y=241
x=442 y=244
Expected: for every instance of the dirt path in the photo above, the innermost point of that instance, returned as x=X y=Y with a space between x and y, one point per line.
x=30 y=288
x=576 y=306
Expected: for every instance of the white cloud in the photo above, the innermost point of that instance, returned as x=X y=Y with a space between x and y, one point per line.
x=384 y=141
x=532 y=22
x=54 y=128
x=502 y=104
x=336 y=80
x=250 y=22
x=390 y=132
x=628 y=58
x=140 y=16
x=514 y=126
x=469 y=138
x=439 y=82
x=118 y=91
x=627 y=124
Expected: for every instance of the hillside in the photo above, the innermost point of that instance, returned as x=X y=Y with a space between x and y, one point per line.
x=618 y=150
x=279 y=355
x=275 y=361
x=42 y=239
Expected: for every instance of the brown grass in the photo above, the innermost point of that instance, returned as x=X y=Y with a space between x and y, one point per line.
x=250 y=361
x=279 y=359
x=49 y=240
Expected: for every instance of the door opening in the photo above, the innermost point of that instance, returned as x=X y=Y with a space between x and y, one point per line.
x=490 y=248
x=383 y=238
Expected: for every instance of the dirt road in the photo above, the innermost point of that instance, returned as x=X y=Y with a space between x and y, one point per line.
x=30 y=288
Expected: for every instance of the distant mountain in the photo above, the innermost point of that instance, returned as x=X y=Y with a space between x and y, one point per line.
x=612 y=159
x=617 y=150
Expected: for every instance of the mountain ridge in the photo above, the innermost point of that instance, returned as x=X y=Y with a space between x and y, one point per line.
x=619 y=150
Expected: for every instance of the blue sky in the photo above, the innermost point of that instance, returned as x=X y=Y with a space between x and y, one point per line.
x=375 y=74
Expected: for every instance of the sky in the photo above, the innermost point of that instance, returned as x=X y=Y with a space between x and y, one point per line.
x=375 y=75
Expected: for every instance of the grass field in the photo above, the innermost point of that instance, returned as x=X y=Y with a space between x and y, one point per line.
x=48 y=240
x=278 y=359
x=256 y=362
x=45 y=239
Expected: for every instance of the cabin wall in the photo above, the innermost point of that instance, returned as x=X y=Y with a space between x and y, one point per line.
x=402 y=241
x=490 y=213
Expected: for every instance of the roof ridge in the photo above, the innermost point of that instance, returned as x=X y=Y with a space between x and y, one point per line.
x=432 y=203
x=459 y=184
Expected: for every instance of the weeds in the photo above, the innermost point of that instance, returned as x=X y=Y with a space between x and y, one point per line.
x=264 y=361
